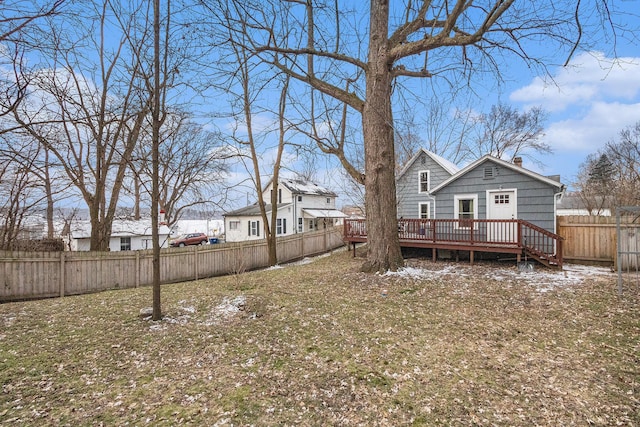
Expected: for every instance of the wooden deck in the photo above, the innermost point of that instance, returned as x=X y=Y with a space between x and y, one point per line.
x=478 y=235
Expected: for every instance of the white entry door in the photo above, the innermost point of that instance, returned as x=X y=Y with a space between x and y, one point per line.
x=502 y=204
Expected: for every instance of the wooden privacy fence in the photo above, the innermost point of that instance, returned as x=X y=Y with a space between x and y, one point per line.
x=592 y=238
x=30 y=275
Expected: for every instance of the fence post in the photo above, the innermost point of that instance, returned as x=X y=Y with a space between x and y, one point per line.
x=325 y=238
x=618 y=250
x=137 y=269
x=62 y=268
x=195 y=261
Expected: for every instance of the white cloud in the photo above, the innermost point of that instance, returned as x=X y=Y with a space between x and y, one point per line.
x=590 y=77
x=261 y=123
x=589 y=103
x=601 y=123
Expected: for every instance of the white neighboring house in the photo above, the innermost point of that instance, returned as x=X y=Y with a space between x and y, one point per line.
x=302 y=206
x=572 y=204
x=126 y=235
x=211 y=227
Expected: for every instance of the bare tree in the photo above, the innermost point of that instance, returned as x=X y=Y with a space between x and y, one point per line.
x=157 y=119
x=418 y=40
x=89 y=115
x=611 y=177
x=625 y=158
x=27 y=183
x=19 y=21
x=252 y=143
x=17 y=15
x=438 y=127
x=595 y=184
x=21 y=194
x=191 y=168
x=507 y=133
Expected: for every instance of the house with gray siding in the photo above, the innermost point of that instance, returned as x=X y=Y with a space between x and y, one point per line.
x=489 y=206
x=414 y=184
x=489 y=188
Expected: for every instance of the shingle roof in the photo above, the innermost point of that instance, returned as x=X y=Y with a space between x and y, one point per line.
x=253 y=210
x=470 y=167
x=119 y=228
x=298 y=186
x=444 y=163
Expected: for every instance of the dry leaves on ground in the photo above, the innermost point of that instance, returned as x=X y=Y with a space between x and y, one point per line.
x=319 y=343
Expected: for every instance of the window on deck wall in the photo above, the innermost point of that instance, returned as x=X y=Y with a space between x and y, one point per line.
x=423 y=181
x=466 y=209
x=423 y=210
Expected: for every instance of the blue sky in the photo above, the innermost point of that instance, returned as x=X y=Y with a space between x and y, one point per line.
x=589 y=102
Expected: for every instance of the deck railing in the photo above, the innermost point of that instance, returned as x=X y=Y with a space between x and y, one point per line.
x=481 y=233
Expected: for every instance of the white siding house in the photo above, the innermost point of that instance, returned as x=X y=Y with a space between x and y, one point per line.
x=126 y=235
x=302 y=206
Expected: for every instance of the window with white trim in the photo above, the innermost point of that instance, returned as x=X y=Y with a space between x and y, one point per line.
x=254 y=228
x=234 y=225
x=423 y=210
x=423 y=181
x=300 y=222
x=465 y=208
x=281 y=226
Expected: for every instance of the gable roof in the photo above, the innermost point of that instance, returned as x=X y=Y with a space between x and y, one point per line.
x=444 y=163
x=502 y=163
x=299 y=186
x=253 y=210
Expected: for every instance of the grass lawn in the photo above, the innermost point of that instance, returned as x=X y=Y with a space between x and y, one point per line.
x=317 y=343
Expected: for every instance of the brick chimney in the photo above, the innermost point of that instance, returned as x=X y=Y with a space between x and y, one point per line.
x=517 y=161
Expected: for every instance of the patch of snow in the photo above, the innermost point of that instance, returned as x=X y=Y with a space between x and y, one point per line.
x=186 y=308
x=179 y=320
x=422 y=273
x=539 y=277
x=157 y=326
x=8 y=319
x=250 y=362
x=227 y=308
x=147 y=311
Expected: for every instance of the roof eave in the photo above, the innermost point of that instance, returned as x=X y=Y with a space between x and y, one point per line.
x=501 y=162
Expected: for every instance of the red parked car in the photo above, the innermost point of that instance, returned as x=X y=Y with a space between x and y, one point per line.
x=190 y=239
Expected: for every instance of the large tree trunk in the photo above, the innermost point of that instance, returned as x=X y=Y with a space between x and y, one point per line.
x=377 y=124
x=100 y=232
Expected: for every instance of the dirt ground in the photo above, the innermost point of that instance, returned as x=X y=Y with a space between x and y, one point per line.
x=320 y=343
